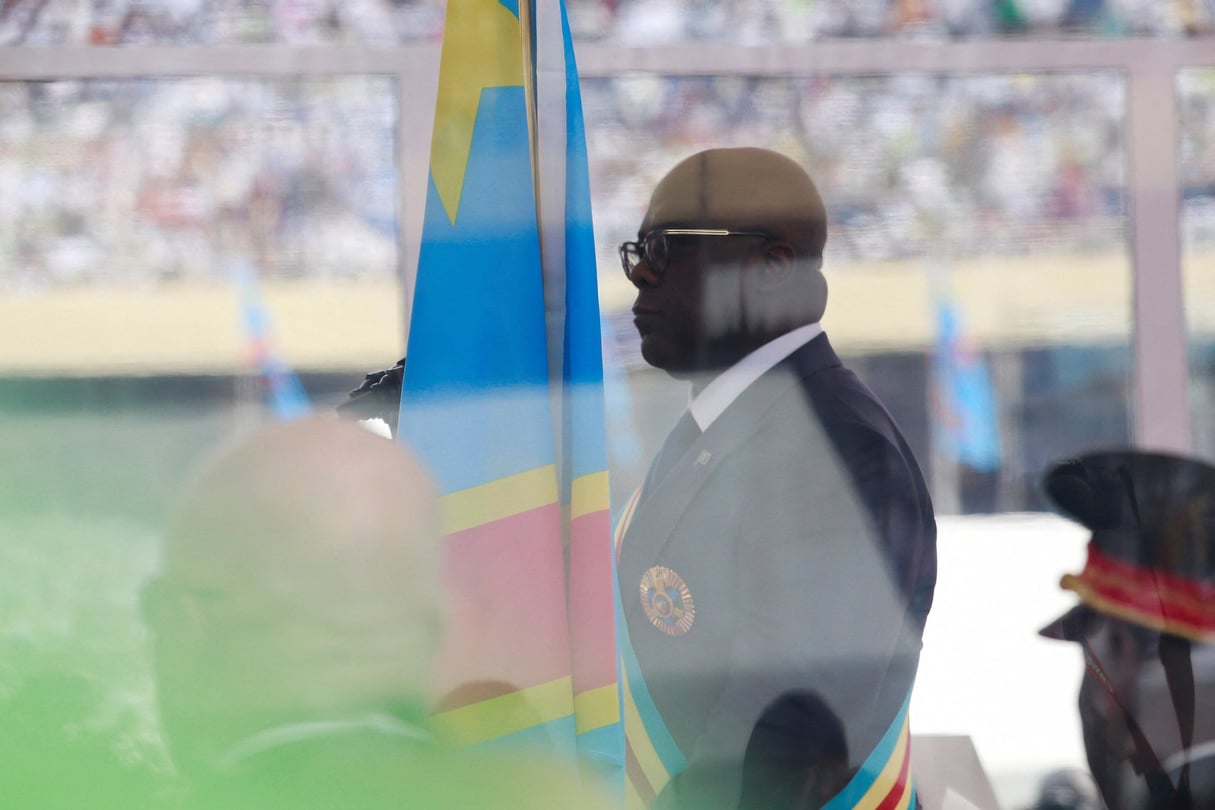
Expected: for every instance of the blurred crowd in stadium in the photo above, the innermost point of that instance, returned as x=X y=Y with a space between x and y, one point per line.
x=635 y=22
x=299 y=176
x=913 y=164
x=134 y=182
x=137 y=181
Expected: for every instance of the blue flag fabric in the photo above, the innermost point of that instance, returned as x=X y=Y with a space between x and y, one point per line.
x=284 y=393
x=524 y=652
x=966 y=400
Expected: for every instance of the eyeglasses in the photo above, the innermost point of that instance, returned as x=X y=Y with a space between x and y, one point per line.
x=654 y=248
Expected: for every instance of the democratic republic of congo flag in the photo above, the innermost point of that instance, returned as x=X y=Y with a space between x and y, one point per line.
x=284 y=394
x=969 y=430
x=477 y=396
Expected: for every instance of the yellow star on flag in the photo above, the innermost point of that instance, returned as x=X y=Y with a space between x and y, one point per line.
x=482 y=47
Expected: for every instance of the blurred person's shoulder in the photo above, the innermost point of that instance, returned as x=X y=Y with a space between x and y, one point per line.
x=509 y=781
x=374 y=774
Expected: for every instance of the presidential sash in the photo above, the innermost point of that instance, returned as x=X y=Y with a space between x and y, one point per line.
x=652 y=757
x=883 y=782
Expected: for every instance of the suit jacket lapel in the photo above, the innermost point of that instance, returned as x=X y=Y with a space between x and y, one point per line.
x=660 y=511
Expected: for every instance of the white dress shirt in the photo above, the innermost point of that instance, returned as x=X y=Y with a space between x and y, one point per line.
x=718 y=395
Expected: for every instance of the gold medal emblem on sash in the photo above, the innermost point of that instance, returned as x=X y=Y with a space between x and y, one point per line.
x=666 y=600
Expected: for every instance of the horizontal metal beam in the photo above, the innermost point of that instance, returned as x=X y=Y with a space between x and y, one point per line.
x=599 y=60
x=33 y=63
x=885 y=56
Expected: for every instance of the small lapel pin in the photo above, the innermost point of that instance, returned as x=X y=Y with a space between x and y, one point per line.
x=703 y=458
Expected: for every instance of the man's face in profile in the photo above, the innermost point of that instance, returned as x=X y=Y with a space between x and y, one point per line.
x=688 y=309
x=667 y=309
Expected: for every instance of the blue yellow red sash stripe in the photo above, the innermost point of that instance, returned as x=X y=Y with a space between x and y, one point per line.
x=651 y=755
x=883 y=781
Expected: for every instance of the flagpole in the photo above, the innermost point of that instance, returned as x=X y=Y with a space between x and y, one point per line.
x=527 y=41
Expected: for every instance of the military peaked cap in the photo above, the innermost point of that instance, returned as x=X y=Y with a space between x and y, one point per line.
x=1151 y=557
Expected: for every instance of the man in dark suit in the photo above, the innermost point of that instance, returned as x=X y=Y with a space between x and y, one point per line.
x=782 y=550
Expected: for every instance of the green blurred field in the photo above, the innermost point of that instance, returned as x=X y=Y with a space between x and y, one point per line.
x=82 y=496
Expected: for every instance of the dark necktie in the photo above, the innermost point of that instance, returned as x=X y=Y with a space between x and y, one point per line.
x=681 y=437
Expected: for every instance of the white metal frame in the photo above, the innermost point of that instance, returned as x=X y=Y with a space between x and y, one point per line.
x=1161 y=391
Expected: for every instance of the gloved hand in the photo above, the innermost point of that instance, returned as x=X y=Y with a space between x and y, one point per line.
x=378 y=397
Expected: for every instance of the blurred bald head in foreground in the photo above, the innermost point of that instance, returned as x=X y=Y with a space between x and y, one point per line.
x=300 y=584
